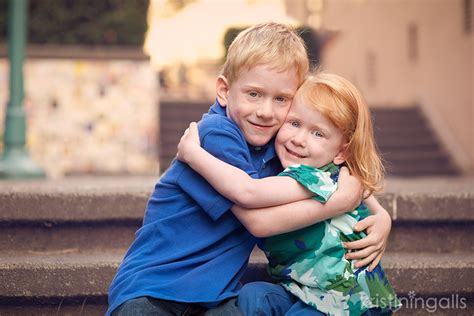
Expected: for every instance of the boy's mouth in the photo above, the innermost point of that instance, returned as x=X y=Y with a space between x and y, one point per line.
x=291 y=152
x=261 y=126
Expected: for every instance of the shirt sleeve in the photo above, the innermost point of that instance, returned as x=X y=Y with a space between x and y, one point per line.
x=226 y=144
x=315 y=180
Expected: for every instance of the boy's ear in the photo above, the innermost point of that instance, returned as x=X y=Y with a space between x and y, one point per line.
x=222 y=89
x=341 y=155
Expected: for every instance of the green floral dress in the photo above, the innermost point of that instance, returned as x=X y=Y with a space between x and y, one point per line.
x=310 y=262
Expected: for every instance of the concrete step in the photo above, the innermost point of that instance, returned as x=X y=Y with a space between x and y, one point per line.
x=56 y=282
x=71 y=236
x=78 y=214
x=402 y=131
x=61 y=242
x=419 y=154
x=415 y=169
x=73 y=281
x=74 y=213
x=409 y=115
x=418 y=161
x=395 y=144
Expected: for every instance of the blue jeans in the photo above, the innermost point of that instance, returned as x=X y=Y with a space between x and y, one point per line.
x=268 y=299
x=152 y=306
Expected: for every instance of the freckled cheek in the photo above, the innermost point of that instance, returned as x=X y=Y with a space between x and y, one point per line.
x=282 y=137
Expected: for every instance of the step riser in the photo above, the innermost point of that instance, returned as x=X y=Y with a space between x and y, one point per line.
x=23 y=309
x=430 y=237
x=63 y=207
x=64 y=285
x=47 y=282
x=405 y=236
x=67 y=237
x=41 y=283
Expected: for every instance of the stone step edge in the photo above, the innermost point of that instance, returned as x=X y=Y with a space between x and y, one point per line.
x=83 y=275
x=84 y=206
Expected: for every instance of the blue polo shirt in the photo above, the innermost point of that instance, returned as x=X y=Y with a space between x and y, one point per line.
x=191 y=248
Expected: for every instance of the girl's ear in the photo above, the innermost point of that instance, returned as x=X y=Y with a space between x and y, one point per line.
x=341 y=155
x=222 y=90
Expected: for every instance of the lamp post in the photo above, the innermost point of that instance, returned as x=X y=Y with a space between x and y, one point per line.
x=15 y=162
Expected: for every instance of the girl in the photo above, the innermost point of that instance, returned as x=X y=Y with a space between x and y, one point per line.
x=328 y=126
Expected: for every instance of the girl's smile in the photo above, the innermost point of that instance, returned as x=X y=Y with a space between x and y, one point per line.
x=308 y=137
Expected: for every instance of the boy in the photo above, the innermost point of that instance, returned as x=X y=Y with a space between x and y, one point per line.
x=191 y=251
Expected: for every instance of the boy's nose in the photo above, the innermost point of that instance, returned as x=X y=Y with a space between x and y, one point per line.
x=265 y=110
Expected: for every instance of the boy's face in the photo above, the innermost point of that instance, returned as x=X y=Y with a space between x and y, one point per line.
x=307 y=137
x=258 y=101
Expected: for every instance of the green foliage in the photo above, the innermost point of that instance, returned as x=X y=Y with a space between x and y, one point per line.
x=229 y=36
x=84 y=22
x=3 y=20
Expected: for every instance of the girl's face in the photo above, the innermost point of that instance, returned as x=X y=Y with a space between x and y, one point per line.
x=309 y=138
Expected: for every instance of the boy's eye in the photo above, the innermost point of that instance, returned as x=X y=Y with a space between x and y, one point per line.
x=281 y=99
x=294 y=123
x=253 y=94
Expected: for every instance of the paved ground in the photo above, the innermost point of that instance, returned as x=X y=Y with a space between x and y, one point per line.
x=146 y=184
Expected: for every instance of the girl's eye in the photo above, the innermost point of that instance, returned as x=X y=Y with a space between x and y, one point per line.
x=318 y=134
x=294 y=123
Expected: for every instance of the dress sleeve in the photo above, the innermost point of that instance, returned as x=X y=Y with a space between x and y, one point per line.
x=315 y=180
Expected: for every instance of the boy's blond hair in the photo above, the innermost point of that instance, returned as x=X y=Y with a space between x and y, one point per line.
x=270 y=43
x=340 y=101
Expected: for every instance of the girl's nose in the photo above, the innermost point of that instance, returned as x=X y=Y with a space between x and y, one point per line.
x=299 y=139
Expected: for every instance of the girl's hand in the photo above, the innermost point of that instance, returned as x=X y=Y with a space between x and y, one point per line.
x=371 y=248
x=189 y=143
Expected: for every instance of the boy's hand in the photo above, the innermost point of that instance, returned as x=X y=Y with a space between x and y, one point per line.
x=373 y=246
x=189 y=143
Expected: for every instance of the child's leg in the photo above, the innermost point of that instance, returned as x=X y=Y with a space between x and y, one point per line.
x=302 y=309
x=264 y=299
x=227 y=308
x=152 y=306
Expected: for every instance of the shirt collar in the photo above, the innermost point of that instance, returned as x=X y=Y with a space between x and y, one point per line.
x=216 y=108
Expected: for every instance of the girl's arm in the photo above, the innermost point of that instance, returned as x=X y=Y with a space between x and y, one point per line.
x=239 y=187
x=371 y=248
x=274 y=220
x=265 y=222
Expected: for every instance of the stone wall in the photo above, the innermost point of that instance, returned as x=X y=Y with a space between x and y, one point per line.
x=89 y=112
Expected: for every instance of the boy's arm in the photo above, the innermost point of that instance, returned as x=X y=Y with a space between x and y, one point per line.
x=235 y=184
x=371 y=248
x=269 y=221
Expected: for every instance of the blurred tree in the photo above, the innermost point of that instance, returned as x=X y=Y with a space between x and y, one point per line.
x=85 y=22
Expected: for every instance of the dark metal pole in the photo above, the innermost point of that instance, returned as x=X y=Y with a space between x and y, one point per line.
x=15 y=162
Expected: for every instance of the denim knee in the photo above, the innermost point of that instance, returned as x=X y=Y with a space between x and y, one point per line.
x=264 y=299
